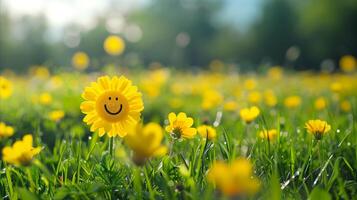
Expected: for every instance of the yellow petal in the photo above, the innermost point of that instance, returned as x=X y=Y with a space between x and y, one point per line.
x=172 y=117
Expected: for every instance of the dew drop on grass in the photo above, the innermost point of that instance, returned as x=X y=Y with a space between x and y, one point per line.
x=348 y=143
x=298 y=130
x=338 y=130
x=90 y=137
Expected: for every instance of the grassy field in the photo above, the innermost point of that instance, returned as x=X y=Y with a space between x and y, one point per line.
x=269 y=151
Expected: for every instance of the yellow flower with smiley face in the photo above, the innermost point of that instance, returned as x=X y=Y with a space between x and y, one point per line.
x=112 y=105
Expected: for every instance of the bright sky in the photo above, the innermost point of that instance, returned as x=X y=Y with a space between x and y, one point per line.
x=61 y=12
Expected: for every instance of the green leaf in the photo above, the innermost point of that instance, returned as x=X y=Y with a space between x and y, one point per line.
x=274 y=189
x=319 y=194
x=26 y=195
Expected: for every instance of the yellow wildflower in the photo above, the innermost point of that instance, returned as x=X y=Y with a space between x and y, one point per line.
x=211 y=99
x=250 y=84
x=230 y=106
x=268 y=134
x=180 y=126
x=336 y=87
x=5 y=88
x=292 y=101
x=270 y=98
x=114 y=45
x=348 y=63
x=145 y=141
x=345 y=106
x=254 y=97
x=234 y=179
x=317 y=127
x=5 y=130
x=45 y=98
x=80 y=60
x=275 y=73
x=55 y=82
x=40 y=72
x=320 y=103
x=21 y=152
x=249 y=114
x=207 y=132
x=56 y=115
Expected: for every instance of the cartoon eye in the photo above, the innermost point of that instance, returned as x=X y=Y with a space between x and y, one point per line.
x=116 y=98
x=110 y=98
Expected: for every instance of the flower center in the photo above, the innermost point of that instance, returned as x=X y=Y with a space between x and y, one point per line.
x=112 y=106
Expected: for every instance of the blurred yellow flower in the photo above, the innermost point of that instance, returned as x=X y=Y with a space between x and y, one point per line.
x=317 y=127
x=292 y=101
x=55 y=82
x=149 y=88
x=5 y=88
x=275 y=73
x=80 y=60
x=230 y=106
x=348 y=63
x=207 y=132
x=254 y=97
x=40 y=72
x=112 y=105
x=45 y=98
x=320 y=103
x=234 y=179
x=153 y=81
x=21 y=152
x=145 y=141
x=211 y=99
x=250 y=84
x=56 y=115
x=160 y=75
x=249 y=114
x=270 y=99
x=5 y=130
x=268 y=134
x=114 y=45
x=336 y=87
x=345 y=106
x=180 y=126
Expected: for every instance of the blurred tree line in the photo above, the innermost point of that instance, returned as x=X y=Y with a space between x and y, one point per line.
x=300 y=34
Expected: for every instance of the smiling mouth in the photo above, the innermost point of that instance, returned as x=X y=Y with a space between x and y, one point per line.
x=113 y=113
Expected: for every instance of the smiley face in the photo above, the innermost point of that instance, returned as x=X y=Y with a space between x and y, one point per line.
x=112 y=106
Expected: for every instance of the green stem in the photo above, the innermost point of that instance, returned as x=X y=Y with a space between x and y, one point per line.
x=29 y=177
x=137 y=183
x=111 y=147
x=148 y=183
x=9 y=182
